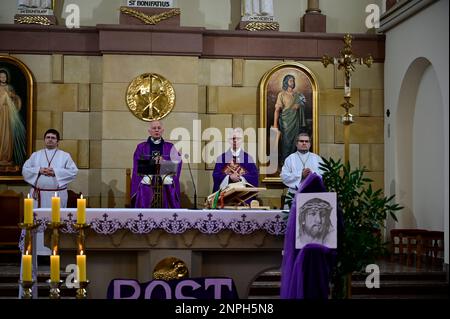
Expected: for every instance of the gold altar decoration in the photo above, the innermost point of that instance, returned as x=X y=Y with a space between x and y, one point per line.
x=170 y=268
x=153 y=19
x=262 y=26
x=33 y=20
x=346 y=62
x=150 y=97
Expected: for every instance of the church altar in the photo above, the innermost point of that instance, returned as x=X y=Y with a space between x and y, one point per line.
x=128 y=243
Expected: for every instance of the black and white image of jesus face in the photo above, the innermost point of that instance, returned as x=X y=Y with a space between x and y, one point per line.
x=316 y=219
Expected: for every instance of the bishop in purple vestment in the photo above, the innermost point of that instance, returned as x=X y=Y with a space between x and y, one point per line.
x=235 y=165
x=155 y=146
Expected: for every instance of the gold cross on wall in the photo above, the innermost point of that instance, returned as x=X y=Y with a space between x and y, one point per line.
x=346 y=61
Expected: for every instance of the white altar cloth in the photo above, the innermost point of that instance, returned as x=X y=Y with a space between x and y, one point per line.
x=175 y=221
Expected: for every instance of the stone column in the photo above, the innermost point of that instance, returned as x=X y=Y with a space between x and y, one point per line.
x=313 y=6
x=313 y=20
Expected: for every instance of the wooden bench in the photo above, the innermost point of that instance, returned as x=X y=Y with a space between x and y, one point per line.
x=416 y=242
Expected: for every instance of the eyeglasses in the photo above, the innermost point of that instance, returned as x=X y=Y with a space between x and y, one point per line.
x=302 y=141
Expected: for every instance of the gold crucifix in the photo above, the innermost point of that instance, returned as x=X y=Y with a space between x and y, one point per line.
x=347 y=61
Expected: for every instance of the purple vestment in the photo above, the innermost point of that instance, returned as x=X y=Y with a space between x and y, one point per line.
x=246 y=163
x=306 y=273
x=142 y=194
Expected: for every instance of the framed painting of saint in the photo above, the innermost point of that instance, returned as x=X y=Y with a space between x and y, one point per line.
x=288 y=97
x=16 y=105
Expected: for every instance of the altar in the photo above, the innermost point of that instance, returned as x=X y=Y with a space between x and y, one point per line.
x=128 y=243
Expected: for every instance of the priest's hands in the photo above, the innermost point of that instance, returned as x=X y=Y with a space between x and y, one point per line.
x=306 y=172
x=235 y=177
x=47 y=171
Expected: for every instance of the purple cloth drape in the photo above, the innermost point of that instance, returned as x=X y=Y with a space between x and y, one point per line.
x=306 y=273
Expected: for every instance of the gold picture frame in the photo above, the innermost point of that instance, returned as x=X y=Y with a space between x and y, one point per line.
x=16 y=110
x=270 y=87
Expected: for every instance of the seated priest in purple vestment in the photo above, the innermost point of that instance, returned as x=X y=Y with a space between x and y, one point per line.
x=235 y=165
x=306 y=273
x=142 y=186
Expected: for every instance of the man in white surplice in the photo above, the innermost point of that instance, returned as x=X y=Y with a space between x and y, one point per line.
x=48 y=171
x=298 y=166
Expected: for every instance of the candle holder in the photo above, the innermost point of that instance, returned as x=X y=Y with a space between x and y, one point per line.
x=31 y=226
x=27 y=288
x=82 y=290
x=81 y=235
x=55 y=292
x=55 y=226
x=27 y=285
x=28 y=229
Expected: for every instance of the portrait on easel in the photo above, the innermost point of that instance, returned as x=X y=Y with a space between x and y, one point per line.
x=16 y=90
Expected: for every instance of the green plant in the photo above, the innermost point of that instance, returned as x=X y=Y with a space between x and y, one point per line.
x=364 y=214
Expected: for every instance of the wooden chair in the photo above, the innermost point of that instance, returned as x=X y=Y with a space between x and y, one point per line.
x=408 y=242
x=420 y=242
x=11 y=212
x=434 y=245
x=127 y=188
x=72 y=198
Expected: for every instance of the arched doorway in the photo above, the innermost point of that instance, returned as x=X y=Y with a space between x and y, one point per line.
x=420 y=148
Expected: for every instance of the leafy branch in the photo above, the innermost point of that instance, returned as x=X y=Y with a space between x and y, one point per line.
x=365 y=211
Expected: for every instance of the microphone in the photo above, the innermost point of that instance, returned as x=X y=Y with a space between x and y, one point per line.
x=186 y=156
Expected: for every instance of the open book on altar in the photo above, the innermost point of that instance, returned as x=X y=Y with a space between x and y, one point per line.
x=235 y=195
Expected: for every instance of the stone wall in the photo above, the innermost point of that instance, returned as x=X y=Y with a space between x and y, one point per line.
x=84 y=98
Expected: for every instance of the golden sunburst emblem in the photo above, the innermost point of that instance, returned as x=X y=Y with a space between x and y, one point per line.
x=150 y=97
x=171 y=268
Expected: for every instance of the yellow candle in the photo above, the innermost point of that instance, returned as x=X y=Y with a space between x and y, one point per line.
x=26 y=268
x=56 y=209
x=81 y=263
x=81 y=210
x=54 y=268
x=28 y=210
